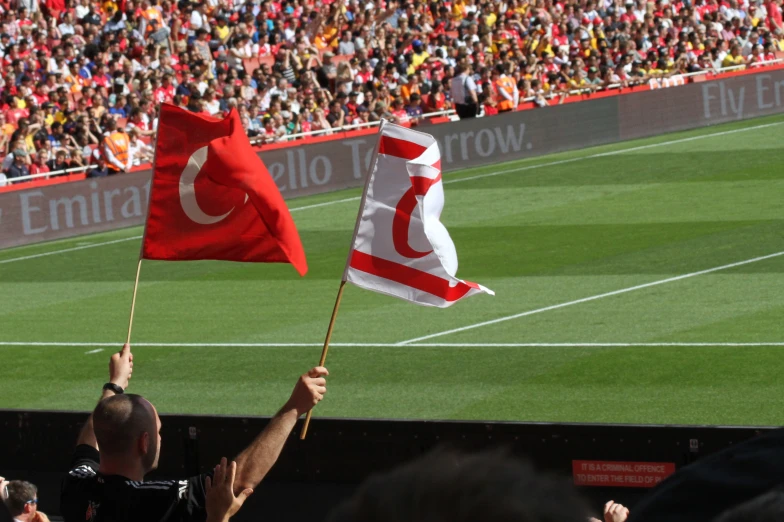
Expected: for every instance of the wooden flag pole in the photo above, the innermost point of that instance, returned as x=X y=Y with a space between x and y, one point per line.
x=141 y=247
x=133 y=299
x=345 y=270
x=324 y=351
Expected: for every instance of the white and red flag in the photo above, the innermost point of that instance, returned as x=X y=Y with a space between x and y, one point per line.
x=400 y=246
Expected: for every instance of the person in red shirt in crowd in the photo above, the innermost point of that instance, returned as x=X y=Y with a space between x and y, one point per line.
x=399 y=112
x=436 y=99
x=15 y=113
x=165 y=92
x=352 y=106
x=41 y=94
x=775 y=23
x=489 y=104
x=39 y=166
x=100 y=77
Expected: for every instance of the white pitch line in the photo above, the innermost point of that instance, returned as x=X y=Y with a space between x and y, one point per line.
x=73 y=249
x=388 y=345
x=326 y=203
x=587 y=299
x=459 y=180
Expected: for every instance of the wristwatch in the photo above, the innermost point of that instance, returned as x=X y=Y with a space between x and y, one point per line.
x=113 y=387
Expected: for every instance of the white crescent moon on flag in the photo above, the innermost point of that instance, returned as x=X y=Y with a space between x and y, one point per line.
x=188 y=192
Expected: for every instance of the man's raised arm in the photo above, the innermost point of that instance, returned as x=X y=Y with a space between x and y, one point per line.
x=256 y=460
x=120 y=370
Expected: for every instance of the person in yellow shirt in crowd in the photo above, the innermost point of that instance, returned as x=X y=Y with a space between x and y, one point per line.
x=49 y=112
x=734 y=58
x=579 y=81
x=109 y=7
x=327 y=33
x=6 y=129
x=752 y=14
x=585 y=46
x=491 y=17
x=458 y=10
x=222 y=29
x=544 y=48
x=420 y=55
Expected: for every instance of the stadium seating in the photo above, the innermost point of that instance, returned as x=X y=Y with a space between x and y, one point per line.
x=281 y=64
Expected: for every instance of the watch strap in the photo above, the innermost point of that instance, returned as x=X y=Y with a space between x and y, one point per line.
x=113 y=387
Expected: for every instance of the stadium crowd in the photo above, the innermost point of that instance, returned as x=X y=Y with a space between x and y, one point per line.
x=82 y=80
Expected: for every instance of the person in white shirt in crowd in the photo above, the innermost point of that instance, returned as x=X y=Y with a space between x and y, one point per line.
x=82 y=9
x=30 y=5
x=67 y=26
x=346 y=46
x=139 y=151
x=464 y=93
x=199 y=19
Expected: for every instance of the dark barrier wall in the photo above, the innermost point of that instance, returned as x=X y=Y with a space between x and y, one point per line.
x=70 y=209
x=313 y=475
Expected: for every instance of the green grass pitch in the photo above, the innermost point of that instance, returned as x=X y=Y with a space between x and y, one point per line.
x=541 y=232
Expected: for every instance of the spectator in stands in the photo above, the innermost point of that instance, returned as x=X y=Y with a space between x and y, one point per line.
x=733 y=59
x=39 y=166
x=116 y=149
x=336 y=116
x=100 y=169
x=464 y=93
x=59 y=162
x=414 y=109
x=505 y=88
x=18 y=168
x=492 y=487
x=138 y=150
x=489 y=104
x=70 y=62
x=126 y=427
x=22 y=502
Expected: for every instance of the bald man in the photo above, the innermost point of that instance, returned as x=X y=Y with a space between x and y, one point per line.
x=110 y=486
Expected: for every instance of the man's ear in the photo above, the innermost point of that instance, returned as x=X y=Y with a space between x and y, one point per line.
x=144 y=443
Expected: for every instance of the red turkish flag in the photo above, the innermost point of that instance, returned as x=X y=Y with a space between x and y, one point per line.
x=213 y=198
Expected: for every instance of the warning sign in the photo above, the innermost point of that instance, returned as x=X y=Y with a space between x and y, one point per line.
x=615 y=474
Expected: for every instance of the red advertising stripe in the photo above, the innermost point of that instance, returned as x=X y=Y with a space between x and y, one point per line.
x=407 y=150
x=406 y=275
x=615 y=474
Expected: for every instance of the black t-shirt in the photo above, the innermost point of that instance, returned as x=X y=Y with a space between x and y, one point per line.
x=88 y=496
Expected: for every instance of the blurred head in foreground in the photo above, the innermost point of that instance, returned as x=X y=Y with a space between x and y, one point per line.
x=446 y=486
x=765 y=508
